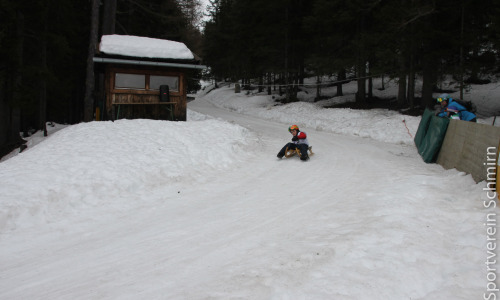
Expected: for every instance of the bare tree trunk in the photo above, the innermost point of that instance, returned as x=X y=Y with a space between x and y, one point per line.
x=429 y=81
x=411 y=82
x=462 y=68
x=4 y=114
x=274 y=81
x=42 y=117
x=269 y=83
x=109 y=17
x=288 y=88
x=370 y=83
x=402 y=81
x=361 y=94
x=341 y=77
x=89 y=82
x=296 y=85
x=15 y=113
x=360 y=63
x=411 y=71
x=280 y=86
x=402 y=90
x=318 y=88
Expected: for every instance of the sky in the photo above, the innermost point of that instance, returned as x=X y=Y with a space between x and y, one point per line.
x=204 y=5
x=203 y=209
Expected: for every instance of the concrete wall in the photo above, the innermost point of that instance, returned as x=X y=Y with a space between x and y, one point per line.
x=467 y=147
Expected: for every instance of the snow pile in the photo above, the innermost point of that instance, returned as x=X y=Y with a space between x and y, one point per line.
x=35 y=138
x=137 y=46
x=80 y=165
x=379 y=124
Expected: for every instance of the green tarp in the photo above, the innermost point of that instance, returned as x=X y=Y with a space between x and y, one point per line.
x=430 y=135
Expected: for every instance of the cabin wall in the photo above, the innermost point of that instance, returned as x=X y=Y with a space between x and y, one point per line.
x=144 y=96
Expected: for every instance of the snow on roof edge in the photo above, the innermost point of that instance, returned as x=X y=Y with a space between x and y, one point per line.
x=137 y=46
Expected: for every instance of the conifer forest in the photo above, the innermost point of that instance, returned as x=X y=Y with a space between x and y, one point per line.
x=45 y=46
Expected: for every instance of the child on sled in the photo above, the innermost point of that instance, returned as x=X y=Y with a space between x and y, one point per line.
x=299 y=141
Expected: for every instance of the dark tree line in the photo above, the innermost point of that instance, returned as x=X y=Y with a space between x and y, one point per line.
x=281 y=41
x=44 y=46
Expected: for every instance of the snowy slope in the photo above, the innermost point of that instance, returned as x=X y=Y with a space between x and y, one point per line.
x=142 y=209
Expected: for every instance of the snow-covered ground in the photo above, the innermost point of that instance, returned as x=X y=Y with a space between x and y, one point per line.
x=143 y=209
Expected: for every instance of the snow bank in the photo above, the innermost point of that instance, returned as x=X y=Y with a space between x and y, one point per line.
x=80 y=165
x=378 y=124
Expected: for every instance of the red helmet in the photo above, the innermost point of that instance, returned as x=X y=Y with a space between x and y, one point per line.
x=293 y=127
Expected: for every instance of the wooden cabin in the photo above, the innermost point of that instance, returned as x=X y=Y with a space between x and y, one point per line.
x=143 y=77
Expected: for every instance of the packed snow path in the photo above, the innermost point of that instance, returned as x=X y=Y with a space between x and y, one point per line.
x=360 y=220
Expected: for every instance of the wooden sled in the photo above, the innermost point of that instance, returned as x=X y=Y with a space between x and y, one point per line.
x=296 y=151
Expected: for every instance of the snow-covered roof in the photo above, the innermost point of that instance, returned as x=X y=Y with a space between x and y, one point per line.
x=137 y=46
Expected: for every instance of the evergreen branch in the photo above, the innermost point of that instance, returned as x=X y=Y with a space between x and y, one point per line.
x=418 y=16
x=147 y=10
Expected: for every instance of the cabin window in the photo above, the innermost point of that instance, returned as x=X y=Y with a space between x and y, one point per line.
x=141 y=81
x=130 y=81
x=171 y=81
